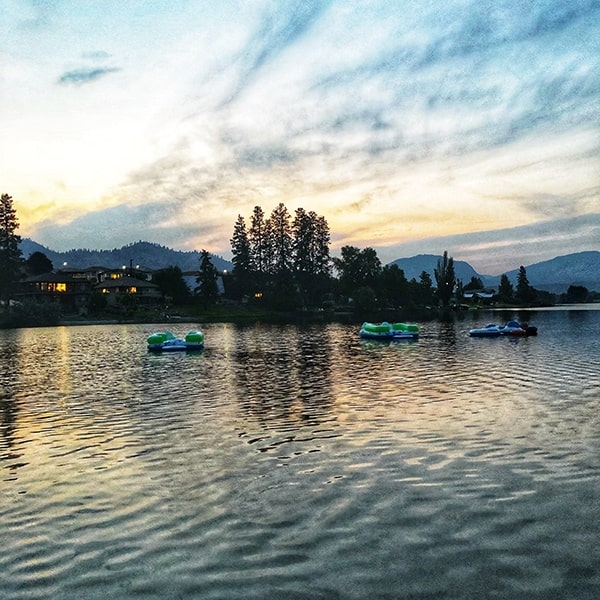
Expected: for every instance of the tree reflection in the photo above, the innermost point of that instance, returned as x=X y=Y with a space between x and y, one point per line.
x=8 y=404
x=283 y=381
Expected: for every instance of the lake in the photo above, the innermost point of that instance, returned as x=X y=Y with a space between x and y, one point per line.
x=301 y=462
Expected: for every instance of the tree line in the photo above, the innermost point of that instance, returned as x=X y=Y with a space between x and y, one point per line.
x=283 y=262
x=279 y=260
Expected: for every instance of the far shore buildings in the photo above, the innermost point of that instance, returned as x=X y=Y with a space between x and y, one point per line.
x=484 y=296
x=74 y=289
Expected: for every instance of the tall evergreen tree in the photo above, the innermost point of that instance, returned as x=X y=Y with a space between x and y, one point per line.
x=280 y=234
x=505 y=289
x=10 y=253
x=208 y=290
x=312 y=263
x=311 y=240
x=259 y=241
x=525 y=293
x=444 y=277
x=320 y=248
x=240 y=247
x=242 y=260
x=303 y=236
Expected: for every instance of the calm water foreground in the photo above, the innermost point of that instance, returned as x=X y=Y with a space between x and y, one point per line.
x=287 y=462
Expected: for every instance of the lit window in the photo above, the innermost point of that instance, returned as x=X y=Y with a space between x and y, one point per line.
x=258 y=295
x=133 y=290
x=61 y=287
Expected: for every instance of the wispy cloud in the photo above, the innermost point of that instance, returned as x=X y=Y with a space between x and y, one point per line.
x=279 y=28
x=85 y=75
x=396 y=121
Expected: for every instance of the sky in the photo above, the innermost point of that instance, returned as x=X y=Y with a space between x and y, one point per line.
x=412 y=126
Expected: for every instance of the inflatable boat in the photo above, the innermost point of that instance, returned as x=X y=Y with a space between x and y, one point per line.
x=165 y=341
x=490 y=330
x=389 y=331
x=512 y=328
x=519 y=329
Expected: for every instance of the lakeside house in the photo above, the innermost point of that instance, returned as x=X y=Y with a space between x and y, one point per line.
x=483 y=296
x=73 y=288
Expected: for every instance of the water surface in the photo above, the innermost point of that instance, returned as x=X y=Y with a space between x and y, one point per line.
x=301 y=462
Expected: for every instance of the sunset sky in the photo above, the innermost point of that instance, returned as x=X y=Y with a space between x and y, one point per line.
x=412 y=126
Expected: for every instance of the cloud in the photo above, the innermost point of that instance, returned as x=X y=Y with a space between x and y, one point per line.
x=497 y=251
x=96 y=55
x=85 y=75
x=281 y=26
x=120 y=225
x=393 y=120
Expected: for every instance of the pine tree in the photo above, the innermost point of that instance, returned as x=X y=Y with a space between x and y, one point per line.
x=240 y=247
x=281 y=240
x=241 y=276
x=444 y=277
x=505 y=289
x=303 y=235
x=312 y=263
x=321 y=241
x=10 y=253
x=259 y=242
x=207 y=290
x=525 y=293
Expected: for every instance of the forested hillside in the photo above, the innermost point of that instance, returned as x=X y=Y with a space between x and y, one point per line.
x=145 y=254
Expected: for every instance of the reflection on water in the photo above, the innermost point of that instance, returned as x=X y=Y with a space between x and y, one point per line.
x=301 y=462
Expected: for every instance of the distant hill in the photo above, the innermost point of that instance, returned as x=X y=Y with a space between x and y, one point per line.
x=555 y=275
x=147 y=255
x=413 y=267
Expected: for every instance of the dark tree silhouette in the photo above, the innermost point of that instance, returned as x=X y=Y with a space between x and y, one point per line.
x=505 y=289
x=393 y=287
x=576 y=294
x=10 y=253
x=241 y=276
x=312 y=263
x=286 y=262
x=525 y=293
x=259 y=241
x=172 y=285
x=208 y=290
x=38 y=263
x=424 y=290
x=444 y=277
x=280 y=231
x=357 y=268
x=474 y=284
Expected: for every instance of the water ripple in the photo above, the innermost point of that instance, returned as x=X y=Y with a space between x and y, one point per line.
x=300 y=463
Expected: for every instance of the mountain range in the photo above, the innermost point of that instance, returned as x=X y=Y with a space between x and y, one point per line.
x=555 y=275
x=147 y=255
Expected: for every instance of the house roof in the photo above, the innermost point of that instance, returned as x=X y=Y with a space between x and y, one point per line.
x=126 y=282
x=51 y=277
x=486 y=293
